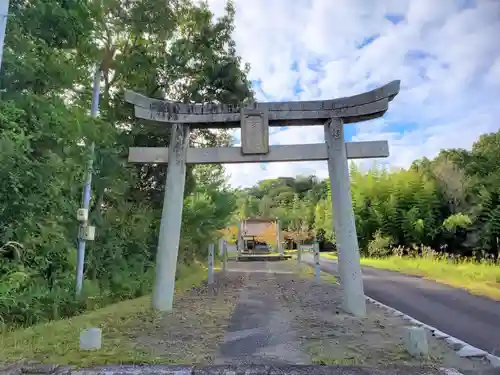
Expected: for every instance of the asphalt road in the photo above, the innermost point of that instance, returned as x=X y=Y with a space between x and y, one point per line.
x=473 y=319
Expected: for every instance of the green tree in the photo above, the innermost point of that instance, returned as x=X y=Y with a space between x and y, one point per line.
x=174 y=50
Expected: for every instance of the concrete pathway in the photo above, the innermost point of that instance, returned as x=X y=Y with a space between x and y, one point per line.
x=260 y=331
x=470 y=318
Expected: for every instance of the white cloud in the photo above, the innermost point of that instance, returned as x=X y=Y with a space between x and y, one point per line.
x=445 y=52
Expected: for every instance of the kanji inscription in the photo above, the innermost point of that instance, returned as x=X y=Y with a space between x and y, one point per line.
x=254 y=134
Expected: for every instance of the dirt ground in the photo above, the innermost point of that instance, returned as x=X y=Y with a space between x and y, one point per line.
x=333 y=337
x=295 y=320
x=190 y=334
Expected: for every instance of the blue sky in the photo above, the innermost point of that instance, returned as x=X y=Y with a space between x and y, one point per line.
x=445 y=53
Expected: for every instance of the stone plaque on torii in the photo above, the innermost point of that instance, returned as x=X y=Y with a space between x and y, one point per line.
x=254 y=120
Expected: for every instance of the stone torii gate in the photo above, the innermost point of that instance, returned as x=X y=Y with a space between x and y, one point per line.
x=254 y=120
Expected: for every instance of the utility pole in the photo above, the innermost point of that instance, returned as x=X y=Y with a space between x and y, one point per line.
x=86 y=232
x=4 y=13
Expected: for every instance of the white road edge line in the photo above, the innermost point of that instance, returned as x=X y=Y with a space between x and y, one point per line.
x=462 y=348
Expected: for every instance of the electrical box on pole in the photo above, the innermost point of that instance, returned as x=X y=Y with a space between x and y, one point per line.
x=82 y=214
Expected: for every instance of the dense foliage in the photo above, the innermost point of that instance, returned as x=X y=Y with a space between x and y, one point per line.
x=172 y=49
x=451 y=204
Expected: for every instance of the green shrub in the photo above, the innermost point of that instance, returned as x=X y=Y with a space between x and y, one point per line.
x=380 y=246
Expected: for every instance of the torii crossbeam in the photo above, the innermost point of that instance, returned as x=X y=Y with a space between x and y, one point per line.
x=356 y=108
x=254 y=120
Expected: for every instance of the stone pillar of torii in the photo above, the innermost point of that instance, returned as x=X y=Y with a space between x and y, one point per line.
x=254 y=120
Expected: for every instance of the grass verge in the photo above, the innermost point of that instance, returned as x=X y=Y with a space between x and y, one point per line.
x=477 y=278
x=329 y=255
x=129 y=330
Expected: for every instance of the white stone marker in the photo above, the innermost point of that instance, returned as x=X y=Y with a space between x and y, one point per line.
x=299 y=254
x=415 y=341
x=211 y=249
x=239 y=241
x=223 y=251
x=220 y=248
x=90 y=339
x=279 y=247
x=317 y=267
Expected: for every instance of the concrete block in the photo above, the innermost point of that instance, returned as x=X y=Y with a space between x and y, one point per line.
x=415 y=341
x=494 y=360
x=449 y=371
x=471 y=351
x=90 y=339
x=417 y=322
x=456 y=344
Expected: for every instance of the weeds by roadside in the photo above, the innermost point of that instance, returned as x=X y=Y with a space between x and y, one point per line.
x=478 y=277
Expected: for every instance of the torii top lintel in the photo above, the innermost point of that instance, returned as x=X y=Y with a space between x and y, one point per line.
x=361 y=107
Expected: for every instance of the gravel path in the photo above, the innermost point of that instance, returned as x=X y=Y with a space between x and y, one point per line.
x=261 y=331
